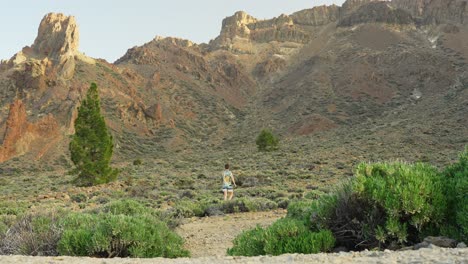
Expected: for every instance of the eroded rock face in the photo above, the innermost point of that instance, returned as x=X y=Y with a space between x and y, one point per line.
x=436 y=11
x=57 y=37
x=236 y=25
x=56 y=42
x=317 y=16
x=377 y=12
x=243 y=27
x=22 y=136
x=351 y=5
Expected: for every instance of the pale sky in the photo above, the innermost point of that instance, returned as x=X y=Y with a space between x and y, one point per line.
x=109 y=27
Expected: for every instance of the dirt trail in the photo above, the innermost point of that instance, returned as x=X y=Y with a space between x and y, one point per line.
x=212 y=236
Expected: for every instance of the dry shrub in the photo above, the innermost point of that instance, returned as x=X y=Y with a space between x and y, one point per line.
x=35 y=234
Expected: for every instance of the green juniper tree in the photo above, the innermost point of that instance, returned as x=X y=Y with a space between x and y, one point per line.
x=91 y=146
x=266 y=141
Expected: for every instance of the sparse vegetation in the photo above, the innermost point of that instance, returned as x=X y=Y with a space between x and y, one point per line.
x=91 y=146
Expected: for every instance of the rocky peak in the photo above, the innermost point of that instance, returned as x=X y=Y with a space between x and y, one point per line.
x=57 y=37
x=236 y=25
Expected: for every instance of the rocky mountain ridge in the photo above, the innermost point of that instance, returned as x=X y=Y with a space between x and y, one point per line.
x=327 y=69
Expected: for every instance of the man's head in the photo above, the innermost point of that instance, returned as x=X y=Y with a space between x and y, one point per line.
x=226 y=166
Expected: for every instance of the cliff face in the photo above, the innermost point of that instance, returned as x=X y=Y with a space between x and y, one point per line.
x=352 y=5
x=55 y=47
x=57 y=37
x=377 y=12
x=317 y=16
x=285 y=28
x=22 y=136
x=436 y=11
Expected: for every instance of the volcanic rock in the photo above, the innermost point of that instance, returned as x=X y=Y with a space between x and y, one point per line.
x=376 y=12
x=57 y=37
x=22 y=136
x=317 y=16
x=436 y=11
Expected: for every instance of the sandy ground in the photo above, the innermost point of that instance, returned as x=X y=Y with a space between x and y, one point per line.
x=425 y=255
x=212 y=236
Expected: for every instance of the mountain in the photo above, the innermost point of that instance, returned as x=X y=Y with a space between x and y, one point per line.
x=367 y=79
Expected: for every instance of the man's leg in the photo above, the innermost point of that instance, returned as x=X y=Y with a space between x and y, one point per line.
x=225 y=194
x=231 y=193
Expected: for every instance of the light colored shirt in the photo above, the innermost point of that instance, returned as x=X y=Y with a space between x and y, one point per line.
x=227 y=178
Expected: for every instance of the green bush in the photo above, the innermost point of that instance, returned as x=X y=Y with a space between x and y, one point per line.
x=267 y=141
x=248 y=205
x=126 y=207
x=249 y=243
x=259 y=204
x=411 y=195
x=351 y=218
x=137 y=162
x=286 y=235
x=12 y=208
x=108 y=235
x=314 y=194
x=300 y=210
x=79 y=197
x=385 y=205
x=186 y=208
x=456 y=193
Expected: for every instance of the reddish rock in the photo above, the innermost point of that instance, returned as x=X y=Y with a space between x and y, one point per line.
x=22 y=136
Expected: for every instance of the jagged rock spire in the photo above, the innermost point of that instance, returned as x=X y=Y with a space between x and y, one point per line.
x=58 y=37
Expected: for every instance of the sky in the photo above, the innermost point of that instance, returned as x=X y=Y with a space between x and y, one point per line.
x=109 y=27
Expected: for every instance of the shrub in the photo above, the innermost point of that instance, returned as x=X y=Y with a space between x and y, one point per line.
x=248 y=205
x=456 y=190
x=79 y=197
x=126 y=207
x=292 y=236
x=286 y=235
x=33 y=234
x=108 y=235
x=351 y=219
x=410 y=195
x=266 y=141
x=249 y=243
x=12 y=208
x=385 y=205
x=259 y=204
x=91 y=146
x=186 y=208
x=314 y=194
x=137 y=162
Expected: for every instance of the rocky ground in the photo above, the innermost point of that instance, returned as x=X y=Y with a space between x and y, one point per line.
x=425 y=255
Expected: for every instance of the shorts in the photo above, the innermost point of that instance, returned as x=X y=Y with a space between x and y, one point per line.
x=229 y=188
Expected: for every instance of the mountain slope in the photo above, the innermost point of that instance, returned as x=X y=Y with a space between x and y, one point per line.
x=370 y=76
